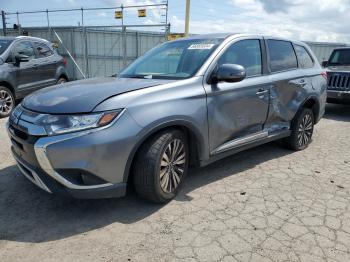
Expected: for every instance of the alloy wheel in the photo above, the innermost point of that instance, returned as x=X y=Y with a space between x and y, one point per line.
x=305 y=130
x=172 y=166
x=6 y=102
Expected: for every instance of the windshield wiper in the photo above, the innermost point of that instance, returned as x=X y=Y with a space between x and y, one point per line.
x=139 y=76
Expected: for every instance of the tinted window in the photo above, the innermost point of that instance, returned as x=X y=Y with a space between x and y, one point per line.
x=304 y=58
x=24 y=48
x=246 y=53
x=282 y=56
x=4 y=44
x=340 y=57
x=43 y=50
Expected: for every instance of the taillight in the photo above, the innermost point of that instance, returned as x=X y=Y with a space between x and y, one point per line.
x=325 y=75
x=64 y=61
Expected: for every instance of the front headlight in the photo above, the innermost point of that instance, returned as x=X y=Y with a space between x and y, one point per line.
x=59 y=124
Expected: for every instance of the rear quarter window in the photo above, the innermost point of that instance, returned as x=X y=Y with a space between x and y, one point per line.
x=305 y=60
x=43 y=50
x=282 y=55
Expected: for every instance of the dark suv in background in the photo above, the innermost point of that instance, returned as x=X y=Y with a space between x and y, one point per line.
x=338 y=70
x=27 y=64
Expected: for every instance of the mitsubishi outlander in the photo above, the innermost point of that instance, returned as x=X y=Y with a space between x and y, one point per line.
x=186 y=102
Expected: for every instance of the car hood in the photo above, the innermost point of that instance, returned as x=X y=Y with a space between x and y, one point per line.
x=83 y=96
x=339 y=68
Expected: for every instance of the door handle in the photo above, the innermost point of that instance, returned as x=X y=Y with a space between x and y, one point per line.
x=262 y=91
x=301 y=82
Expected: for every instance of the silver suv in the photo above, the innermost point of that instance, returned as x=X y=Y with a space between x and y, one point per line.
x=185 y=102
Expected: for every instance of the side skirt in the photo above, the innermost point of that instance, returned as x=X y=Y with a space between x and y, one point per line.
x=260 y=140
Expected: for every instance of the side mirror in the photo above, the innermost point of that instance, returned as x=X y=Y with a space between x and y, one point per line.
x=231 y=73
x=21 y=58
x=324 y=63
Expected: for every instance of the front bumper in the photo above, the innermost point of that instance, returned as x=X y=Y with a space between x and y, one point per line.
x=86 y=164
x=50 y=185
x=338 y=97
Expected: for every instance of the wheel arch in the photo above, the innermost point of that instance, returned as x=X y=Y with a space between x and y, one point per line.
x=312 y=103
x=61 y=72
x=9 y=86
x=193 y=135
x=63 y=75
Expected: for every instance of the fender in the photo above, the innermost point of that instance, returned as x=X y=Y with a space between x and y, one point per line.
x=155 y=127
x=316 y=110
x=61 y=70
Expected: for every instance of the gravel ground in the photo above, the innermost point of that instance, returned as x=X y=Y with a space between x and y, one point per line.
x=265 y=204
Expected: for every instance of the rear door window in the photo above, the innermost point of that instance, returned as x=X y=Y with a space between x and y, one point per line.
x=42 y=50
x=282 y=55
x=305 y=60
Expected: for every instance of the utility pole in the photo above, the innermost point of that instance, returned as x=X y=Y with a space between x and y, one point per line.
x=187 y=21
x=166 y=33
x=3 y=22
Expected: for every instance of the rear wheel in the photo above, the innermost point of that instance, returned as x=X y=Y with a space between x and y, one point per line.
x=7 y=101
x=161 y=166
x=302 y=130
x=62 y=80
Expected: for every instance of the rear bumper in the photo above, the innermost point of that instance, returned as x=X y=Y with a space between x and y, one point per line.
x=338 y=97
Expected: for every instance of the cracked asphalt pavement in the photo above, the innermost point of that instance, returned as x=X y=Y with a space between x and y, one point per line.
x=264 y=204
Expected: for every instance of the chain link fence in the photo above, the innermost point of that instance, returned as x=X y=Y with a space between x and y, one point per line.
x=92 y=49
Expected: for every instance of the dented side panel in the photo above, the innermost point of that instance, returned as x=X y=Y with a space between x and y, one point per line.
x=289 y=91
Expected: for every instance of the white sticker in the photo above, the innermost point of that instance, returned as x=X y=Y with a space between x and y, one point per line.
x=201 y=46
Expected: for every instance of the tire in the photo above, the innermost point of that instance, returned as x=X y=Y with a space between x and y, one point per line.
x=156 y=177
x=302 y=129
x=7 y=102
x=61 y=80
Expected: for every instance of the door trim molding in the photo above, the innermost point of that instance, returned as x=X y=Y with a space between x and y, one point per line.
x=240 y=141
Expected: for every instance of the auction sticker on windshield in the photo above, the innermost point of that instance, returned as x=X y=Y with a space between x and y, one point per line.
x=201 y=46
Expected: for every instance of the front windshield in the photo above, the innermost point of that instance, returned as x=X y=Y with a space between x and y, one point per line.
x=172 y=60
x=4 y=44
x=340 y=57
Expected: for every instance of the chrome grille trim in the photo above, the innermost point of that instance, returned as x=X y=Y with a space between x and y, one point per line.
x=31 y=175
x=339 y=81
x=40 y=149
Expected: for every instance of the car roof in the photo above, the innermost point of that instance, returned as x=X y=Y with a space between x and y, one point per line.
x=24 y=37
x=7 y=37
x=226 y=35
x=341 y=48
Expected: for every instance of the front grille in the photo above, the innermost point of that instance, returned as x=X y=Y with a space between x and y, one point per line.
x=340 y=82
x=19 y=133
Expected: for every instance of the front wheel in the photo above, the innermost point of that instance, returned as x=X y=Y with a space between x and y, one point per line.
x=302 y=130
x=7 y=101
x=160 y=166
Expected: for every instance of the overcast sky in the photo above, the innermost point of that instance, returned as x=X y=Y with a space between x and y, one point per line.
x=313 y=20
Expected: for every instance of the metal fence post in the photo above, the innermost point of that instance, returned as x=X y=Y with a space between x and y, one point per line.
x=124 y=45
x=3 y=22
x=86 y=52
x=48 y=25
x=72 y=42
x=137 y=44
x=18 y=24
